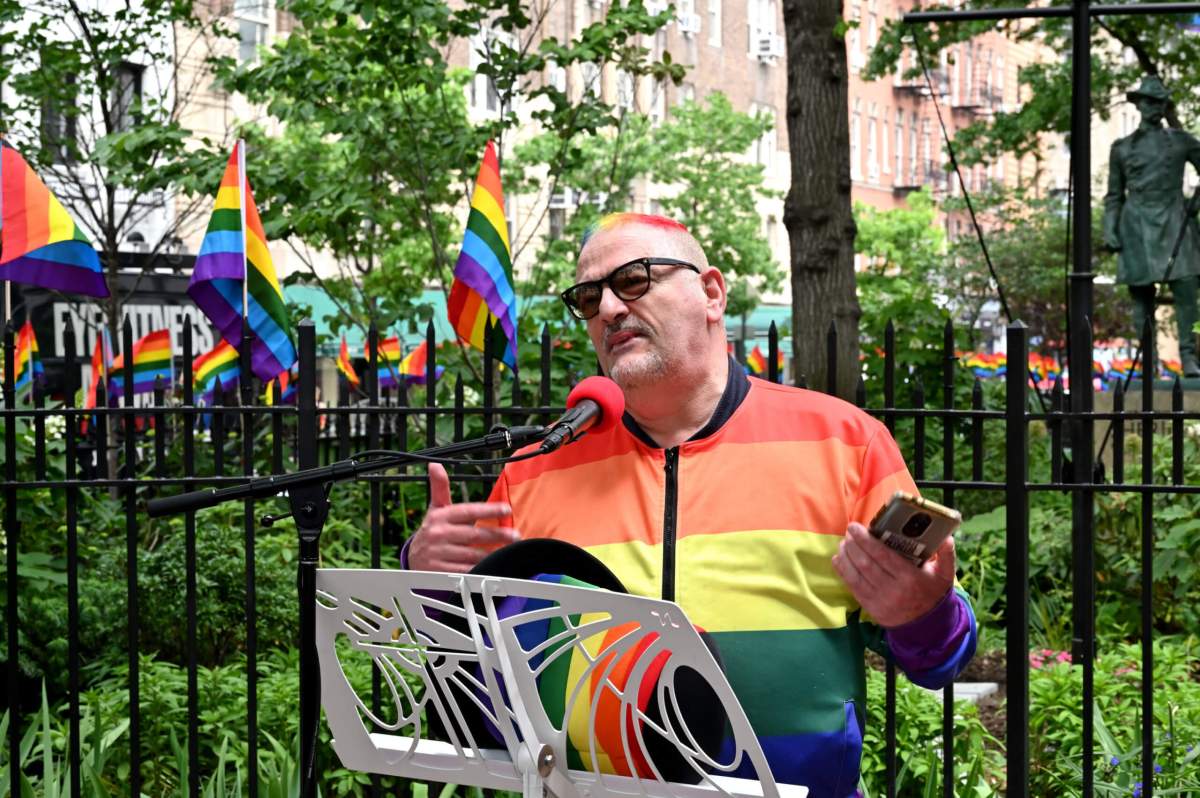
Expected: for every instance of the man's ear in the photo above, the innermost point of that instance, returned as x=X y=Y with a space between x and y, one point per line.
x=713 y=283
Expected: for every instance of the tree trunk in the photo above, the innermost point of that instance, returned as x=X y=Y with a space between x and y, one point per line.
x=817 y=210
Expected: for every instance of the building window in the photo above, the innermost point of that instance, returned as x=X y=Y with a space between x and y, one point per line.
x=687 y=93
x=900 y=149
x=127 y=96
x=856 y=142
x=714 y=22
x=558 y=222
x=761 y=21
x=253 y=22
x=483 y=94
x=658 y=103
x=883 y=148
x=913 y=168
x=625 y=90
x=59 y=130
x=872 y=151
x=764 y=146
x=589 y=73
x=872 y=30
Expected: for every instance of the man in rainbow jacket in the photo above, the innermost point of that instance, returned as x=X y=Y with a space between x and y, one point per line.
x=744 y=501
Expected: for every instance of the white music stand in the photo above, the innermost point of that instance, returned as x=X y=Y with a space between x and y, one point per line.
x=399 y=620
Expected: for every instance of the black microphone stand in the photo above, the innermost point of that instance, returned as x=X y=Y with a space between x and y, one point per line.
x=308 y=497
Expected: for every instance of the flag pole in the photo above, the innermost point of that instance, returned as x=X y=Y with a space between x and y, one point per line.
x=241 y=149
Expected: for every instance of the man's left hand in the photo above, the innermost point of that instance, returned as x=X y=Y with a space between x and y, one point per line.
x=890 y=588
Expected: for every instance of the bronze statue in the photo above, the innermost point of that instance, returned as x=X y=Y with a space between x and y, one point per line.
x=1144 y=211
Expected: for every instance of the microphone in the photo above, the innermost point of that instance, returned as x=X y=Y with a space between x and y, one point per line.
x=595 y=403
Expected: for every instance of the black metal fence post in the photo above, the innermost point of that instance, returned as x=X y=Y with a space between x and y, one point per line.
x=12 y=532
x=1147 y=575
x=308 y=528
x=246 y=386
x=189 y=554
x=949 y=361
x=1017 y=574
x=72 y=499
x=128 y=375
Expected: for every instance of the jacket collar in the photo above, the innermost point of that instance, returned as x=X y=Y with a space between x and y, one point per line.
x=737 y=385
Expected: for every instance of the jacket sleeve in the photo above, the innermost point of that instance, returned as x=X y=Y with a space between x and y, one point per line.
x=933 y=649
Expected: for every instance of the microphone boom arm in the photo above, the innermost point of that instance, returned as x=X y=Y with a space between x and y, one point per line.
x=341 y=471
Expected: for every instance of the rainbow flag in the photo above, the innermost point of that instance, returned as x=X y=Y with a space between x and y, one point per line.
x=151 y=360
x=985 y=365
x=414 y=366
x=346 y=367
x=39 y=242
x=561 y=665
x=102 y=358
x=28 y=363
x=234 y=251
x=216 y=368
x=483 y=282
x=388 y=363
x=288 y=387
x=756 y=361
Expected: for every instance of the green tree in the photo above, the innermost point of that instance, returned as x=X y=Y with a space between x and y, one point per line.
x=905 y=280
x=96 y=106
x=368 y=96
x=1159 y=43
x=1026 y=238
x=716 y=192
x=698 y=155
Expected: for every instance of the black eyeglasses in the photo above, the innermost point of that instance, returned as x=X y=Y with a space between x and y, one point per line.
x=629 y=281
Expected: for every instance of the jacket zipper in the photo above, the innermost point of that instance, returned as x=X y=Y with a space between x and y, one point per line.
x=670 y=512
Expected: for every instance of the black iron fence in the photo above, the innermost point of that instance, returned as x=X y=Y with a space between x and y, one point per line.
x=139 y=452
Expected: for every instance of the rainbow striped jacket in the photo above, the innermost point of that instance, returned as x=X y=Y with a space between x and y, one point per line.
x=739 y=525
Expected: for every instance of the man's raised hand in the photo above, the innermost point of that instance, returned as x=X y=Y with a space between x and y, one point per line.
x=448 y=539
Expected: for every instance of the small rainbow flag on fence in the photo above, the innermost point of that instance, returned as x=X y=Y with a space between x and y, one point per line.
x=288 y=385
x=28 y=363
x=388 y=363
x=757 y=361
x=414 y=367
x=346 y=367
x=102 y=358
x=216 y=368
x=483 y=282
x=986 y=364
x=39 y=242
x=151 y=360
x=233 y=261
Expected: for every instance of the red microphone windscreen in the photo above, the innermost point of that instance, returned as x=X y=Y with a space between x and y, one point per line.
x=603 y=392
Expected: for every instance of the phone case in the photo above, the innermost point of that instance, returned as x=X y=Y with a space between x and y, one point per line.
x=913 y=526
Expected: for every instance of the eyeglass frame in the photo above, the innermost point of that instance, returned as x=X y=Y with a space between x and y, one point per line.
x=606 y=281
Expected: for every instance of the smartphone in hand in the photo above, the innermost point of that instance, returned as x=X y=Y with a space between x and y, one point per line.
x=914 y=527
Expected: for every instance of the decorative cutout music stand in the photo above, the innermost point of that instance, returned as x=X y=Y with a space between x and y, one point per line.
x=411 y=624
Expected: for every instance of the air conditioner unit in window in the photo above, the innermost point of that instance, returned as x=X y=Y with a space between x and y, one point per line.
x=873 y=172
x=655 y=6
x=564 y=199
x=768 y=46
x=689 y=24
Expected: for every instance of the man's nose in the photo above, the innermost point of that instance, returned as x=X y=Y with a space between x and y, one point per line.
x=612 y=307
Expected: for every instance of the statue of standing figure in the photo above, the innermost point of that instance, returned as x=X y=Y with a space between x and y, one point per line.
x=1144 y=210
